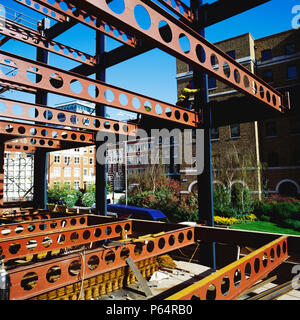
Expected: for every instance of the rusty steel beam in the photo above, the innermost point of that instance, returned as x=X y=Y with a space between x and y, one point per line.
x=52 y=116
x=19 y=148
x=17 y=129
x=180 y=8
x=200 y=53
x=40 y=222
x=51 y=79
x=231 y=281
x=31 y=143
x=107 y=259
x=44 y=241
x=96 y=23
x=32 y=37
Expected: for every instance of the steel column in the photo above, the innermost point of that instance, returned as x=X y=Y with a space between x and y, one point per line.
x=100 y=176
x=204 y=180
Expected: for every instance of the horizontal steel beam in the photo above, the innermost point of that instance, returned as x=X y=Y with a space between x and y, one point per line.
x=58 y=238
x=41 y=76
x=19 y=148
x=196 y=50
x=25 y=144
x=63 y=118
x=34 y=131
x=32 y=37
x=231 y=281
x=106 y=259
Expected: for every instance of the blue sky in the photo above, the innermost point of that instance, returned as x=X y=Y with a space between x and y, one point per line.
x=153 y=73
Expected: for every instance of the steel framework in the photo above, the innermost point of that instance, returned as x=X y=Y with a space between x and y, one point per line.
x=43 y=250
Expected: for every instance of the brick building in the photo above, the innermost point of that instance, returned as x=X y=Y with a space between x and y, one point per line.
x=75 y=167
x=267 y=150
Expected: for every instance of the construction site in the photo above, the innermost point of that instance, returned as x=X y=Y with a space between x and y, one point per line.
x=60 y=253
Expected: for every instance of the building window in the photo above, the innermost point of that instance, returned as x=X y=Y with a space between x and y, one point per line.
x=91 y=172
x=231 y=54
x=290 y=48
x=268 y=76
x=214 y=133
x=266 y=55
x=76 y=172
x=85 y=160
x=56 y=171
x=56 y=159
x=91 y=160
x=85 y=172
x=76 y=160
x=292 y=72
x=212 y=83
x=273 y=159
x=67 y=159
x=271 y=129
x=67 y=172
x=295 y=125
x=235 y=130
x=77 y=185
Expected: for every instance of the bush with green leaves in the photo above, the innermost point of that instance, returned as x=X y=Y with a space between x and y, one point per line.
x=89 y=197
x=69 y=196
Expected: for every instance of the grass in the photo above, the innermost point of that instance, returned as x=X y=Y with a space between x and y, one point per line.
x=264 y=226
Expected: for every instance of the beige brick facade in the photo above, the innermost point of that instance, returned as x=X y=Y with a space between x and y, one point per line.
x=275 y=53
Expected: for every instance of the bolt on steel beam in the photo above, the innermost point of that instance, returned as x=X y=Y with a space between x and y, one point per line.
x=185 y=44
x=32 y=37
x=51 y=79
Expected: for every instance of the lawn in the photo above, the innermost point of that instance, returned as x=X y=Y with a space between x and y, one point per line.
x=264 y=226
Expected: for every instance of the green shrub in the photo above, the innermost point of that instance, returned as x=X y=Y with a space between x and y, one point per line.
x=265 y=218
x=68 y=195
x=283 y=211
x=263 y=209
x=291 y=223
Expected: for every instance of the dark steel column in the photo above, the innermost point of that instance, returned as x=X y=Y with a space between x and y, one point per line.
x=1 y=174
x=204 y=180
x=100 y=174
x=40 y=156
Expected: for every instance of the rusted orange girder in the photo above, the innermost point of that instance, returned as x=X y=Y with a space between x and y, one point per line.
x=56 y=236
x=81 y=16
x=36 y=131
x=231 y=281
x=41 y=76
x=109 y=258
x=200 y=52
x=39 y=113
x=19 y=32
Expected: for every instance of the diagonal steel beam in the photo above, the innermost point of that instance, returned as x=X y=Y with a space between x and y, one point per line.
x=231 y=281
x=200 y=53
